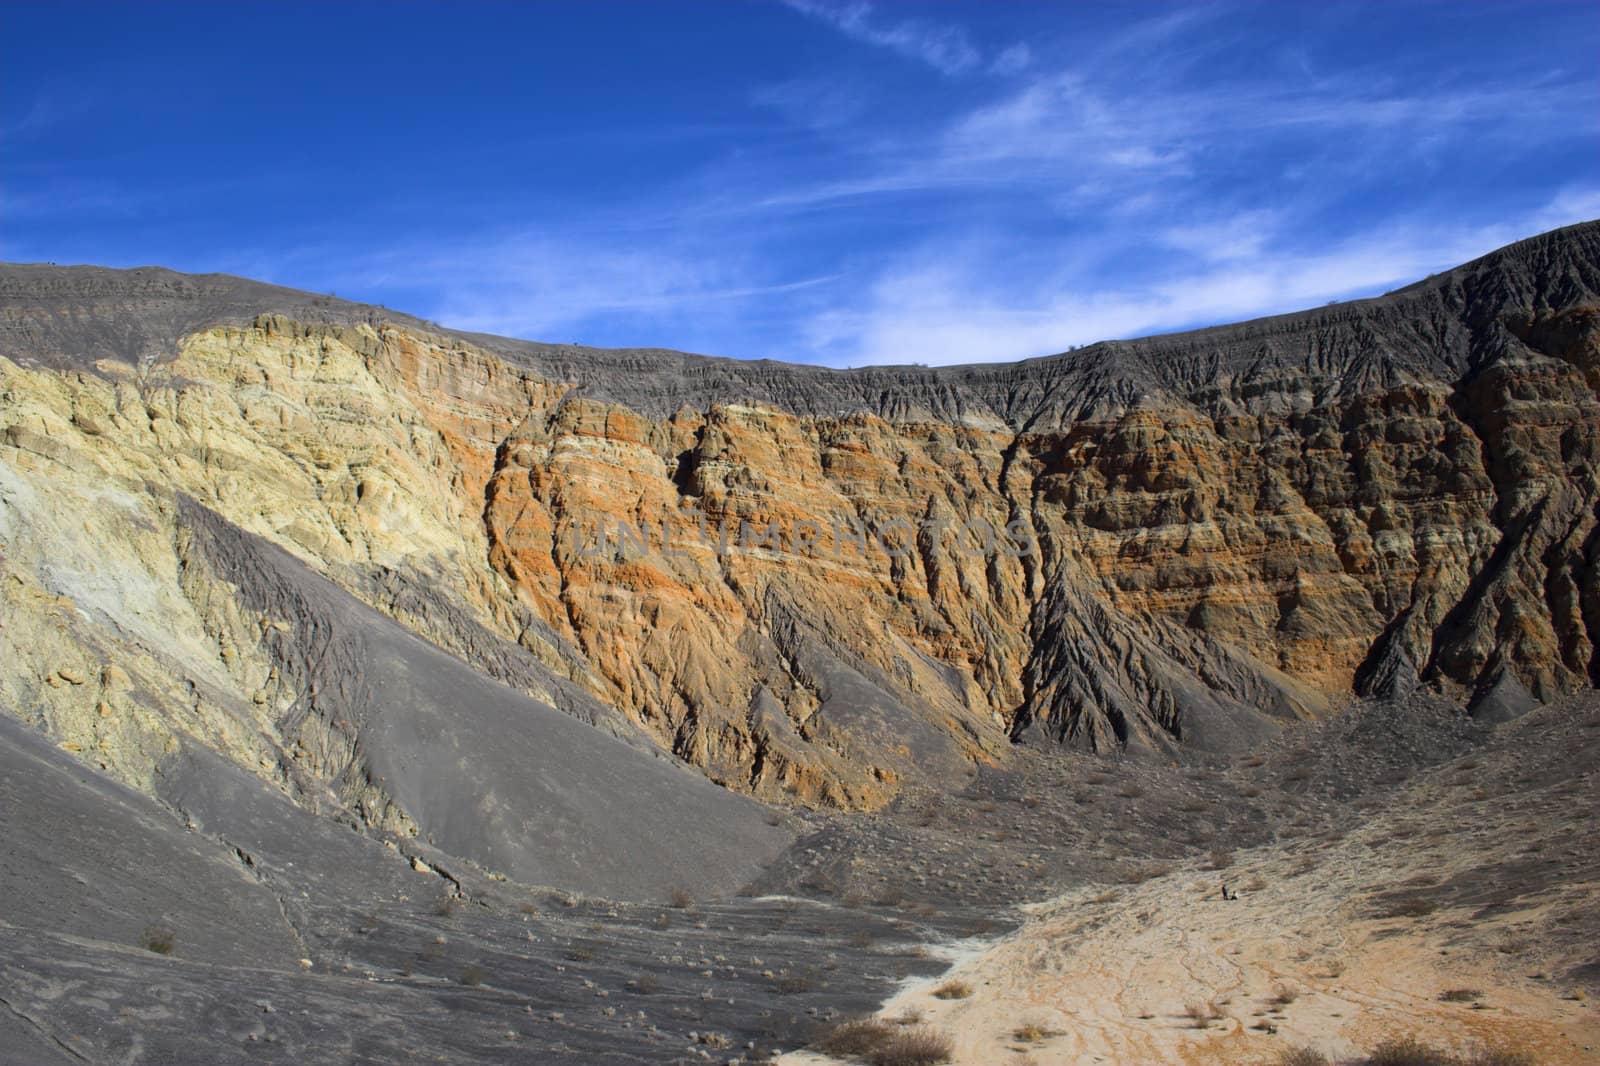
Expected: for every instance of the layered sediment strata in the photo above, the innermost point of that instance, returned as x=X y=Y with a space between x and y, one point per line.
x=1224 y=529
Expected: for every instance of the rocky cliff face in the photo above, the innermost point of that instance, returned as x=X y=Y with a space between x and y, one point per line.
x=1154 y=545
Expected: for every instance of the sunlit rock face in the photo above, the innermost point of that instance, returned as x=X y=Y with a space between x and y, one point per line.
x=815 y=586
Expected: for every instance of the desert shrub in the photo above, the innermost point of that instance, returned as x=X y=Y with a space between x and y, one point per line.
x=1203 y=1014
x=1407 y=1051
x=919 y=1046
x=853 y=1038
x=1284 y=994
x=1410 y=906
x=953 y=990
x=792 y=984
x=1221 y=859
x=444 y=905
x=473 y=975
x=890 y=896
x=580 y=952
x=878 y=1043
x=158 y=939
x=1130 y=791
x=681 y=899
x=1459 y=995
x=1303 y=1056
x=645 y=984
x=1497 y=1057
x=1029 y=1033
x=1133 y=875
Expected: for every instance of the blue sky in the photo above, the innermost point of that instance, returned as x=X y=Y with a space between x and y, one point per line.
x=839 y=183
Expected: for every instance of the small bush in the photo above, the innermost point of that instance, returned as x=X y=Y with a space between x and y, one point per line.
x=919 y=1046
x=1030 y=1033
x=1283 y=995
x=1404 y=907
x=158 y=939
x=1138 y=874
x=793 y=984
x=878 y=1043
x=890 y=896
x=1303 y=1056
x=1498 y=1057
x=645 y=984
x=681 y=899
x=1203 y=1014
x=473 y=975
x=853 y=1038
x=953 y=990
x=1460 y=995
x=1407 y=1051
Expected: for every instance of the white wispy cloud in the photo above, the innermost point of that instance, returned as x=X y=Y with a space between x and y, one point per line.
x=554 y=286
x=944 y=47
x=943 y=306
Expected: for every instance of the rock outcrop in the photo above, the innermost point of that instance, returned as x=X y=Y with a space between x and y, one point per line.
x=813 y=585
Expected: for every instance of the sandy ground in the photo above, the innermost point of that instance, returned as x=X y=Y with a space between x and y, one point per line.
x=1111 y=974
